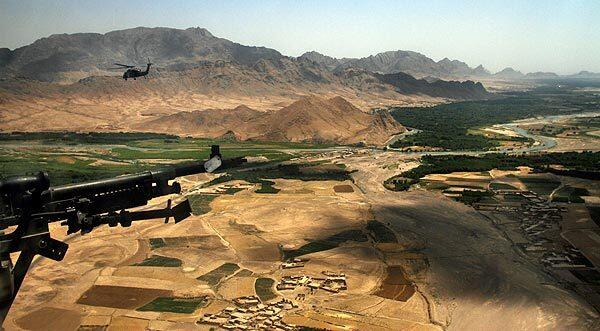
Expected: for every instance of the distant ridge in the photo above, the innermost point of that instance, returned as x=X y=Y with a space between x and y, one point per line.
x=509 y=73
x=586 y=75
x=407 y=84
x=327 y=61
x=413 y=63
x=422 y=67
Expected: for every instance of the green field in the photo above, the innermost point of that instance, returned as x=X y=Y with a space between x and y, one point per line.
x=399 y=183
x=264 y=289
x=67 y=169
x=570 y=194
x=266 y=187
x=433 y=185
x=381 y=232
x=156 y=243
x=159 y=261
x=232 y=190
x=502 y=186
x=175 y=305
x=74 y=157
x=214 y=276
x=541 y=186
x=331 y=242
x=244 y=273
x=472 y=196
x=306 y=171
x=200 y=203
x=144 y=140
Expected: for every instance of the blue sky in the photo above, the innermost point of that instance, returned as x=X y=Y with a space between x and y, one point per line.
x=552 y=35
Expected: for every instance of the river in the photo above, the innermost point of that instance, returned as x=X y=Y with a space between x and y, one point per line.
x=542 y=143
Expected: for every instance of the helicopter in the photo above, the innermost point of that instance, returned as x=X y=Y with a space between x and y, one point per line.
x=133 y=71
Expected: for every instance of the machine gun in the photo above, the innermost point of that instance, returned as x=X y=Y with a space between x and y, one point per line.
x=28 y=204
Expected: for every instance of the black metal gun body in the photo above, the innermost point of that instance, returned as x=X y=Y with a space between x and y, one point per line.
x=30 y=204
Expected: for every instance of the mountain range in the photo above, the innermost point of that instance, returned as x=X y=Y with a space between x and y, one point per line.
x=209 y=86
x=69 y=57
x=66 y=58
x=421 y=66
x=512 y=74
x=413 y=63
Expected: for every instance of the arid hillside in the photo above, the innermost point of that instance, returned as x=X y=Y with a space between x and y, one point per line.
x=69 y=57
x=204 y=123
x=109 y=103
x=312 y=118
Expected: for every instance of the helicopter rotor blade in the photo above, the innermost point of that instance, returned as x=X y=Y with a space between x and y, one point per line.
x=123 y=65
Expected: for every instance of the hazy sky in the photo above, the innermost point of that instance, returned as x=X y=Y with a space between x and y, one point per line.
x=528 y=35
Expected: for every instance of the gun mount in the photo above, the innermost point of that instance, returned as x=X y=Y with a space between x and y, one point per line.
x=28 y=204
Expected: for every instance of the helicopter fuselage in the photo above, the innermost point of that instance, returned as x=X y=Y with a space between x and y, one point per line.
x=134 y=73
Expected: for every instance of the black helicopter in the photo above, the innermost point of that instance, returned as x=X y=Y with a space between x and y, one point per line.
x=133 y=71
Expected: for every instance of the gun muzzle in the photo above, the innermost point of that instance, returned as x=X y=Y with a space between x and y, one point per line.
x=20 y=184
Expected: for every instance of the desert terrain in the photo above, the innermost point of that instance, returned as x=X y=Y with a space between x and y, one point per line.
x=410 y=260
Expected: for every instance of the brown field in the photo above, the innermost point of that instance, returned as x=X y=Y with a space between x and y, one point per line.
x=66 y=159
x=343 y=189
x=461 y=179
x=120 y=297
x=124 y=323
x=587 y=240
x=396 y=286
x=341 y=320
x=95 y=321
x=577 y=217
x=474 y=178
x=199 y=242
x=50 y=318
x=236 y=286
x=396 y=292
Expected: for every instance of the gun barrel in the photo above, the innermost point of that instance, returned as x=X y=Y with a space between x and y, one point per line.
x=127 y=182
x=21 y=184
x=64 y=192
x=187 y=169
